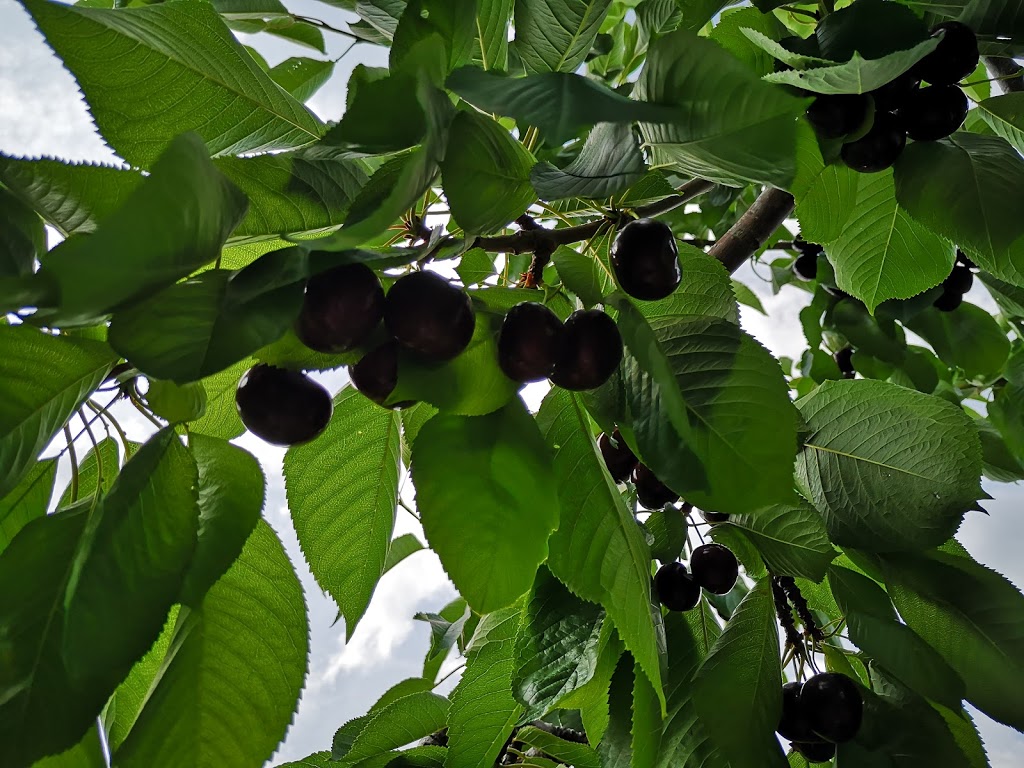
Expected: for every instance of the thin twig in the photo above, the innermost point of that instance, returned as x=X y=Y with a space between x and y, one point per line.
x=74 y=463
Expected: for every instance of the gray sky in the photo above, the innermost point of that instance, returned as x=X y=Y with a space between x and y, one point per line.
x=41 y=113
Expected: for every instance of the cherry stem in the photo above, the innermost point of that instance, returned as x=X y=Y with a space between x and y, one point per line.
x=73 y=455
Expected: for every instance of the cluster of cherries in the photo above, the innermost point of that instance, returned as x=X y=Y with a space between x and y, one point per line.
x=902 y=108
x=816 y=715
x=956 y=284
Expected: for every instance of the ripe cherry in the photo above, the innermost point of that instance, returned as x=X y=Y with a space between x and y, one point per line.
x=340 y=308
x=964 y=260
x=715 y=568
x=282 y=407
x=959 y=280
x=429 y=316
x=834 y=706
x=956 y=57
x=591 y=351
x=650 y=491
x=714 y=517
x=890 y=97
x=815 y=751
x=376 y=374
x=948 y=301
x=619 y=459
x=675 y=588
x=793 y=724
x=645 y=259
x=844 y=361
x=934 y=112
x=878 y=148
x=530 y=342
x=806 y=266
x=837 y=115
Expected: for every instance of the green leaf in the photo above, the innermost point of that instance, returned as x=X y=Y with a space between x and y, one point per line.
x=730 y=127
x=557 y=648
x=22 y=236
x=1005 y=115
x=176 y=403
x=42 y=711
x=582 y=275
x=454 y=21
x=346 y=736
x=598 y=551
x=556 y=35
x=734 y=33
x=208 y=323
x=382 y=114
x=483 y=710
x=884 y=254
x=826 y=195
x=231 y=490
x=91 y=481
x=1000 y=463
x=963 y=188
x=27 y=500
x=858 y=75
x=874 y=28
x=890 y=469
x=485 y=174
x=88 y=753
x=558 y=103
x=130 y=563
x=1009 y=297
x=44 y=379
x=342 y=490
x=568 y=752
x=592 y=699
x=188 y=73
x=221 y=416
x=736 y=690
x=790 y=537
x=669 y=530
x=404 y=720
x=968 y=338
x=405 y=545
x=173 y=223
x=706 y=402
x=489 y=526
x=446 y=629
x=876 y=630
x=616 y=747
x=746 y=296
x=475 y=266
x=609 y=163
x=492 y=19
x=302 y=77
x=235 y=666
x=780 y=52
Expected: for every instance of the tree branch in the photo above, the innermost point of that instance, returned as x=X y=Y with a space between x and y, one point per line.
x=1009 y=69
x=529 y=240
x=753 y=228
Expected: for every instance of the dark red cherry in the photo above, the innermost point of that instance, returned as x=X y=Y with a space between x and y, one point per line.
x=844 y=361
x=617 y=456
x=878 y=148
x=806 y=266
x=834 y=706
x=793 y=724
x=948 y=301
x=956 y=57
x=340 y=308
x=890 y=97
x=959 y=280
x=650 y=491
x=429 y=316
x=530 y=342
x=376 y=373
x=675 y=588
x=645 y=259
x=591 y=352
x=934 y=112
x=715 y=568
x=964 y=260
x=282 y=407
x=837 y=115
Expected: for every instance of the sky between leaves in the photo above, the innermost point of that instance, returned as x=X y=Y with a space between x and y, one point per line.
x=41 y=113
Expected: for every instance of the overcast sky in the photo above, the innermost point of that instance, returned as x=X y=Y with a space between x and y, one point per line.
x=41 y=113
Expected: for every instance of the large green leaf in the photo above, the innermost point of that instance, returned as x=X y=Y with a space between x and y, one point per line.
x=342 y=490
x=43 y=381
x=567 y=752
x=558 y=646
x=131 y=562
x=616 y=747
x=964 y=188
x=736 y=691
x=27 y=500
x=228 y=687
x=706 y=402
x=790 y=537
x=609 y=163
x=492 y=19
x=876 y=630
x=88 y=753
x=400 y=721
x=825 y=194
x=592 y=699
x=598 y=551
x=558 y=103
x=556 y=35
x=183 y=70
x=22 y=236
x=302 y=77
x=882 y=253
x=483 y=710
x=453 y=21
x=208 y=323
x=730 y=126
x=485 y=173
x=969 y=338
x=486 y=494
x=889 y=468
x=42 y=711
x=221 y=416
x=173 y=223
x=1005 y=115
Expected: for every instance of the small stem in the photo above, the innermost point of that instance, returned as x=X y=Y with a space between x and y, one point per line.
x=449 y=674
x=108 y=418
x=407 y=508
x=144 y=411
x=73 y=455
x=530 y=139
x=328 y=27
x=799 y=12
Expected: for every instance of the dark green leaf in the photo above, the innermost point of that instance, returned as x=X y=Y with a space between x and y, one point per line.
x=556 y=35
x=382 y=115
x=22 y=236
x=97 y=471
x=592 y=699
x=791 y=538
x=969 y=338
x=405 y=545
x=130 y=563
x=616 y=747
x=43 y=381
x=668 y=528
x=706 y=290
x=475 y=266
x=736 y=691
x=608 y=164
x=302 y=77
x=342 y=490
x=889 y=468
x=583 y=275
x=492 y=19
x=27 y=500
x=188 y=73
x=489 y=528
x=567 y=752
x=401 y=721
x=236 y=666
x=454 y=21
x=446 y=629
x=875 y=28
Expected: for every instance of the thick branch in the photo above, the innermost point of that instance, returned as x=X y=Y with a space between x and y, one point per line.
x=529 y=240
x=753 y=228
x=1009 y=69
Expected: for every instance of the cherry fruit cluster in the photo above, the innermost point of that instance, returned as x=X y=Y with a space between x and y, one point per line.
x=826 y=710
